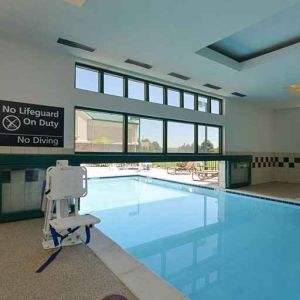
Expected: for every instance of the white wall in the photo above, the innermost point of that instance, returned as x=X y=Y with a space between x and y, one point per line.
x=249 y=127
x=287 y=130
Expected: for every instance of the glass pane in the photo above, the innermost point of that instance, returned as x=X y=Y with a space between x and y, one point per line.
x=87 y=79
x=201 y=139
x=202 y=103
x=98 y=131
x=145 y=135
x=213 y=142
x=136 y=89
x=188 y=100
x=156 y=94
x=173 y=98
x=180 y=137
x=113 y=85
x=215 y=106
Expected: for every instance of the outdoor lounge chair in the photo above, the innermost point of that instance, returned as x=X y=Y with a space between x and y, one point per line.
x=201 y=173
x=181 y=168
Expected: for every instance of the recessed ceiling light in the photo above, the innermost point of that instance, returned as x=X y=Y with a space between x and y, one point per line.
x=295 y=87
x=238 y=94
x=75 y=45
x=138 y=63
x=211 y=86
x=76 y=2
x=183 y=77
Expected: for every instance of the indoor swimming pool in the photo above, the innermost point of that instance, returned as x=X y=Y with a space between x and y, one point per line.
x=208 y=244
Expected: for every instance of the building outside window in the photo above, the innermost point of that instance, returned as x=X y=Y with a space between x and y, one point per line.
x=98 y=131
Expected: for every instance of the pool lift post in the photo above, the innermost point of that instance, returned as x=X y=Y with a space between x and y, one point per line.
x=64 y=185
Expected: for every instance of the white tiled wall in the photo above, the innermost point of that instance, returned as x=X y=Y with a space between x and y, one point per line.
x=19 y=195
x=277 y=173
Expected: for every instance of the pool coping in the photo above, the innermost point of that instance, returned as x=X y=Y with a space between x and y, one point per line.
x=141 y=281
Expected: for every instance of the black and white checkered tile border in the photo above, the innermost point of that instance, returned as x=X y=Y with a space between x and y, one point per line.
x=270 y=162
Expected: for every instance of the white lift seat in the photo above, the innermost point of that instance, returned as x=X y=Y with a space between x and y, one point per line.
x=65 y=185
x=72 y=222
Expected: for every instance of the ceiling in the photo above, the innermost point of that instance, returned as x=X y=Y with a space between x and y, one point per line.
x=165 y=34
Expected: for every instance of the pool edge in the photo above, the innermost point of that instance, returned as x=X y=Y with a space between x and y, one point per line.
x=140 y=280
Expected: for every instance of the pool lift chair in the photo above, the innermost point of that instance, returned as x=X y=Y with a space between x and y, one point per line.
x=64 y=187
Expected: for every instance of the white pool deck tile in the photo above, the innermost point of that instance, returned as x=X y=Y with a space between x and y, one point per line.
x=283 y=191
x=144 y=284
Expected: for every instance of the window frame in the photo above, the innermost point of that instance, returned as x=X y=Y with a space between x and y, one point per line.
x=89 y=68
x=112 y=74
x=148 y=92
x=220 y=128
x=165 y=135
x=124 y=131
x=146 y=84
x=220 y=106
x=194 y=95
x=207 y=103
x=180 y=97
x=149 y=118
x=182 y=122
x=165 y=87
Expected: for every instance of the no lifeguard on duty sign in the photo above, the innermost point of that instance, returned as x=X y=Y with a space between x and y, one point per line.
x=25 y=124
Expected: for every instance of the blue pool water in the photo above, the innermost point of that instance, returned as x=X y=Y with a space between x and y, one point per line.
x=210 y=245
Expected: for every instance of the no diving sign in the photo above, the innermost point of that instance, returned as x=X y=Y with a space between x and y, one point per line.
x=24 y=124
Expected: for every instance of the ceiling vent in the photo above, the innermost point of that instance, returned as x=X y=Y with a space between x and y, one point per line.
x=138 y=63
x=182 y=77
x=211 y=86
x=75 y=45
x=238 y=94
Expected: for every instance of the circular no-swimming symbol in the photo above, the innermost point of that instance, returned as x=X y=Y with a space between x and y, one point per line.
x=11 y=123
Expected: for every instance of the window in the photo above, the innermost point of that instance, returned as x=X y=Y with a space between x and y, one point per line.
x=208 y=139
x=98 y=131
x=173 y=97
x=188 y=100
x=113 y=85
x=136 y=89
x=156 y=94
x=145 y=135
x=215 y=106
x=87 y=79
x=201 y=138
x=213 y=139
x=180 y=137
x=202 y=103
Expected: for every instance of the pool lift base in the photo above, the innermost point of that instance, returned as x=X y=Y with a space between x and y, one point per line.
x=64 y=185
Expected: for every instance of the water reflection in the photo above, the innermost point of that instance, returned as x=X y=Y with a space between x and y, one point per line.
x=187 y=259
